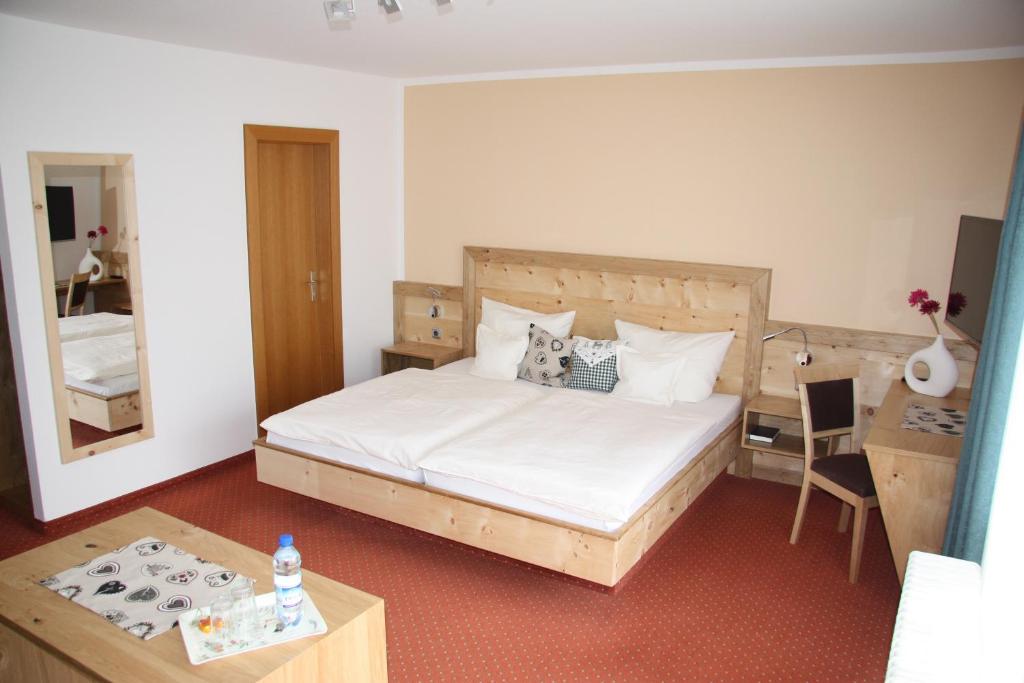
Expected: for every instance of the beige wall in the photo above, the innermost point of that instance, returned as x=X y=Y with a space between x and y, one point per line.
x=847 y=181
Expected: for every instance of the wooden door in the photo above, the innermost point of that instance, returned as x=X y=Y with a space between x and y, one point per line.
x=291 y=184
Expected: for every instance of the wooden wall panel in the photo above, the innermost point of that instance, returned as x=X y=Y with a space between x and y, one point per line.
x=412 y=322
x=668 y=295
x=880 y=355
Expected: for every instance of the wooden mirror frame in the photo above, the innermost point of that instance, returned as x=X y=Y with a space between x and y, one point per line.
x=37 y=163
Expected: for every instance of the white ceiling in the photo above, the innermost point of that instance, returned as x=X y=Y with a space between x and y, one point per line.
x=482 y=36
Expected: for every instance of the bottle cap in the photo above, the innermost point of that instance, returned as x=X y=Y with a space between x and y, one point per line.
x=285 y=540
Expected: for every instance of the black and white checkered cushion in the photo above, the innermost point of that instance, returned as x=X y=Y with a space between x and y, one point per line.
x=599 y=376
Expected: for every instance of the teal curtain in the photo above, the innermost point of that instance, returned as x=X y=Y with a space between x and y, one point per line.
x=993 y=381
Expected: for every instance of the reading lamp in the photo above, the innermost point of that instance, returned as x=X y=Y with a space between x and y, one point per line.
x=802 y=358
x=434 y=310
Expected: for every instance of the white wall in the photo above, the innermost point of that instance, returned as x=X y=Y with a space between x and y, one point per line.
x=180 y=111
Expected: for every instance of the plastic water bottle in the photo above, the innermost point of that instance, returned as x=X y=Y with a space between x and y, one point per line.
x=288 y=582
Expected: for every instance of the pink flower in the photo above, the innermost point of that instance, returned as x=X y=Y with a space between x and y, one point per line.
x=956 y=303
x=930 y=307
x=917 y=297
x=91 y=234
x=103 y=230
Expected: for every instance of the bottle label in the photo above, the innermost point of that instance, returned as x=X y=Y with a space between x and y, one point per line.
x=286 y=582
x=289 y=597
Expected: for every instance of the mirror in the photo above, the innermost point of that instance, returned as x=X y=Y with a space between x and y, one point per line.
x=87 y=236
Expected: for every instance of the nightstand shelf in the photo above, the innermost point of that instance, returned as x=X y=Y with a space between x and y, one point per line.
x=780 y=409
x=416 y=355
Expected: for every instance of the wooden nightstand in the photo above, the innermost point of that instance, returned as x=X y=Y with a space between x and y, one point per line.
x=416 y=355
x=783 y=410
x=784 y=413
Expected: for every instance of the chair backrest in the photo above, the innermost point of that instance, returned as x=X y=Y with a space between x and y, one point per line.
x=78 y=287
x=829 y=404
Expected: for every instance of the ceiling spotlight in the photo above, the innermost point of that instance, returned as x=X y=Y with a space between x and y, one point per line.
x=340 y=10
x=442 y=3
x=390 y=6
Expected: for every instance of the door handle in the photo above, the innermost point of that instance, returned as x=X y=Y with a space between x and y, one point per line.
x=313 y=282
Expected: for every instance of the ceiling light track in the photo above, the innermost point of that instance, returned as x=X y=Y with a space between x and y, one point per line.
x=345 y=10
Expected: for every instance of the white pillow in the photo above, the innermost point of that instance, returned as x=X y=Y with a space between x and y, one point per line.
x=497 y=354
x=647 y=377
x=704 y=355
x=515 y=321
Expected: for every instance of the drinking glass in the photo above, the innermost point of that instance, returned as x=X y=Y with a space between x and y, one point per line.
x=244 y=619
x=220 y=618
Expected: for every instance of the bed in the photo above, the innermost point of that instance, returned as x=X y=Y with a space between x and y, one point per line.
x=101 y=378
x=463 y=485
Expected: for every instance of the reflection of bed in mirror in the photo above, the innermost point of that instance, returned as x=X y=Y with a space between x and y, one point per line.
x=101 y=370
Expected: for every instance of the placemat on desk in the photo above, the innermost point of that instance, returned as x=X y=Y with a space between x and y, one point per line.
x=945 y=421
x=144 y=586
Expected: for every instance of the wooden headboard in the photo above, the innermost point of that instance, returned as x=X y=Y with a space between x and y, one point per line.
x=667 y=295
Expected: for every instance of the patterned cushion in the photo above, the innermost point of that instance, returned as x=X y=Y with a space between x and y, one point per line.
x=593 y=365
x=547 y=358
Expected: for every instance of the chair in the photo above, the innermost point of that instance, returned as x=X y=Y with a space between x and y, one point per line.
x=78 y=287
x=830 y=408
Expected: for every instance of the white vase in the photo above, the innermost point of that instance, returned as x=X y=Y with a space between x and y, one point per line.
x=91 y=264
x=942 y=370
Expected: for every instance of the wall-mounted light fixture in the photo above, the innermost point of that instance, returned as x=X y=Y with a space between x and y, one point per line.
x=435 y=310
x=802 y=358
x=345 y=10
x=340 y=10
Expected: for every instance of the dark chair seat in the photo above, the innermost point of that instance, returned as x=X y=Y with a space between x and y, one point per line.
x=849 y=470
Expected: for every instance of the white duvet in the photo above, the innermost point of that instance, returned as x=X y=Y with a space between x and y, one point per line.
x=403 y=416
x=588 y=453
x=96 y=358
x=94 y=325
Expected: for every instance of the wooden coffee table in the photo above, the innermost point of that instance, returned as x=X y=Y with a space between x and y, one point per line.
x=44 y=637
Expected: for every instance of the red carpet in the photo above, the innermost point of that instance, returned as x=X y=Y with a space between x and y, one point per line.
x=725 y=597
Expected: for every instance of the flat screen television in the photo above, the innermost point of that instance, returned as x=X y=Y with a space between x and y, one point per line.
x=60 y=208
x=974 y=269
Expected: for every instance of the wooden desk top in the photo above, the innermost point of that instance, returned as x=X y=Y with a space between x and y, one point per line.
x=61 y=286
x=424 y=350
x=886 y=435
x=73 y=633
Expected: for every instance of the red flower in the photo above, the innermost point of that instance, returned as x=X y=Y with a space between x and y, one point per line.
x=929 y=307
x=103 y=230
x=917 y=297
x=956 y=303
x=91 y=234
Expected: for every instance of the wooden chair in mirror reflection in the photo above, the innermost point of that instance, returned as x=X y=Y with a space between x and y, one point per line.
x=78 y=287
x=831 y=409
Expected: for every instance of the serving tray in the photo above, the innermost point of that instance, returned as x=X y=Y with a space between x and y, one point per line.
x=206 y=647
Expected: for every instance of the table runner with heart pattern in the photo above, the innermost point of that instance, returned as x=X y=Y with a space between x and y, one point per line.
x=947 y=421
x=142 y=587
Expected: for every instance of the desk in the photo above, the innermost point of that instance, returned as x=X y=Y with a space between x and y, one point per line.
x=914 y=473
x=107 y=292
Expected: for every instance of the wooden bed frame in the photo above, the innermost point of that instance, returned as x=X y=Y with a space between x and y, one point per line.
x=109 y=413
x=668 y=295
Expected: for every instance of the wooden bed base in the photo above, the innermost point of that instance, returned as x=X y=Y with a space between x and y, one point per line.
x=601 y=557
x=667 y=295
x=110 y=414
